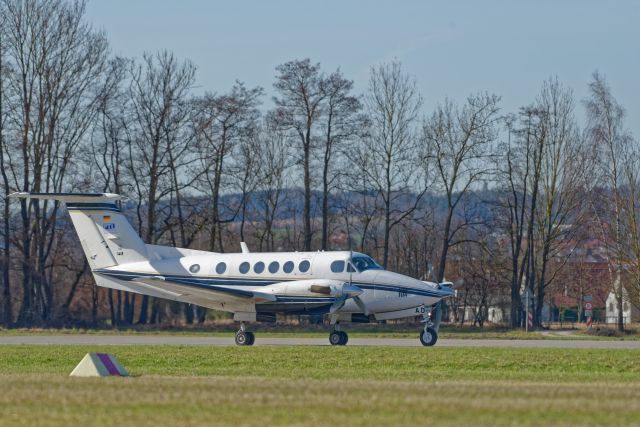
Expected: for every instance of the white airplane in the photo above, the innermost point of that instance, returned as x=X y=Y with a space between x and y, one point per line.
x=254 y=286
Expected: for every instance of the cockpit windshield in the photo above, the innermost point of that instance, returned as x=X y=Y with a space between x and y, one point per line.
x=362 y=263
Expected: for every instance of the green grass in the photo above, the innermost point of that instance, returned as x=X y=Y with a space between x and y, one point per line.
x=202 y=385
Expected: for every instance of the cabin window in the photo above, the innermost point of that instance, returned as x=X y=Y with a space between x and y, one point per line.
x=244 y=267
x=221 y=268
x=194 y=268
x=304 y=266
x=259 y=267
x=288 y=267
x=273 y=267
x=337 y=266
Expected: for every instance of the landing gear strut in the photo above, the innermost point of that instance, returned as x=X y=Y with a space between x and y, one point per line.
x=429 y=334
x=338 y=337
x=244 y=337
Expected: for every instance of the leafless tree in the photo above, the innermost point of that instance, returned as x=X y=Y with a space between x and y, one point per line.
x=607 y=130
x=564 y=178
x=299 y=107
x=392 y=104
x=458 y=144
x=341 y=123
x=275 y=156
x=55 y=62
x=105 y=157
x=160 y=140
x=222 y=121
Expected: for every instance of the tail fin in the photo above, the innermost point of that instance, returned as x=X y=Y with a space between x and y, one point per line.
x=107 y=237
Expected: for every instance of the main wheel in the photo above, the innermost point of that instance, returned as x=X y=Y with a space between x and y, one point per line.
x=345 y=338
x=243 y=338
x=251 y=338
x=428 y=337
x=335 y=338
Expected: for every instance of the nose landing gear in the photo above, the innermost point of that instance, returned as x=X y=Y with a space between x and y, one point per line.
x=429 y=334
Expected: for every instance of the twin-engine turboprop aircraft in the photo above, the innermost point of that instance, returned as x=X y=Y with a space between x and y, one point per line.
x=346 y=286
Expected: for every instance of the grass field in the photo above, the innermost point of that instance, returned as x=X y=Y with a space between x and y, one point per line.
x=172 y=385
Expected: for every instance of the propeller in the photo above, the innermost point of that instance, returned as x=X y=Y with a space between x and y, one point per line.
x=347 y=290
x=361 y=305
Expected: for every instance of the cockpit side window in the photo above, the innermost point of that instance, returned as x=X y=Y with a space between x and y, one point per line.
x=363 y=263
x=337 y=266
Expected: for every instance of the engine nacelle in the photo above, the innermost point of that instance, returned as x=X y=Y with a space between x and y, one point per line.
x=311 y=287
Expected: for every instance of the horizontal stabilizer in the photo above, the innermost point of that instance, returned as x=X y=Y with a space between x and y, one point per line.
x=71 y=197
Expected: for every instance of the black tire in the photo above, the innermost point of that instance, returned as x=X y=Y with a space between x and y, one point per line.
x=335 y=338
x=252 y=338
x=242 y=338
x=345 y=338
x=428 y=337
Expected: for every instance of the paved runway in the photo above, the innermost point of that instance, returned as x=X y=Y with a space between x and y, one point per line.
x=363 y=342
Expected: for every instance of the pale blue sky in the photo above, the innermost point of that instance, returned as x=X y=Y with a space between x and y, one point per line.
x=452 y=48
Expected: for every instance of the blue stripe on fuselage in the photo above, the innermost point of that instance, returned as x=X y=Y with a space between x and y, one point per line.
x=210 y=282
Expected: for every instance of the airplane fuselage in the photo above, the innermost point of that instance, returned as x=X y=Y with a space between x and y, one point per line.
x=383 y=291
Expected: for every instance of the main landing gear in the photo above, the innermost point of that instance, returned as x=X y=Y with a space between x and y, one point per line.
x=244 y=337
x=338 y=337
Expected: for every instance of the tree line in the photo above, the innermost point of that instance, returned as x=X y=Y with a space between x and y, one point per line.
x=316 y=167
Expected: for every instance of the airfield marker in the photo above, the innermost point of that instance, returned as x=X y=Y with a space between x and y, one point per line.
x=99 y=365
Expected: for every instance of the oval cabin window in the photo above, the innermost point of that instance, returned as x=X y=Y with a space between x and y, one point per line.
x=304 y=266
x=259 y=267
x=288 y=267
x=337 y=266
x=194 y=268
x=221 y=268
x=273 y=267
x=244 y=267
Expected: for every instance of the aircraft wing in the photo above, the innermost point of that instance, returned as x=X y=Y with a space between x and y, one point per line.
x=219 y=292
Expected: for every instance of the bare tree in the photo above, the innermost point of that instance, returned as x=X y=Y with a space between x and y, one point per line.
x=221 y=123
x=299 y=108
x=458 y=145
x=392 y=104
x=56 y=61
x=160 y=139
x=341 y=123
x=607 y=130
x=7 y=306
x=275 y=155
x=565 y=169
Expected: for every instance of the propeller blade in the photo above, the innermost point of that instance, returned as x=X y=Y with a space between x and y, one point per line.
x=337 y=305
x=361 y=305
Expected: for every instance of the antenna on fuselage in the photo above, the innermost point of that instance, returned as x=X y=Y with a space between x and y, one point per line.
x=244 y=247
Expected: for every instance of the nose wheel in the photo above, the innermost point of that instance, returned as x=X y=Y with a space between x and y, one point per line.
x=338 y=338
x=244 y=337
x=428 y=336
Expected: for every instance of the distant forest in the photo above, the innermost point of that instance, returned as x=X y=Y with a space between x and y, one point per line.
x=496 y=201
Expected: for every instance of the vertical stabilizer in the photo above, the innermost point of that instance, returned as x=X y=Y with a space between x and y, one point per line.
x=106 y=236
